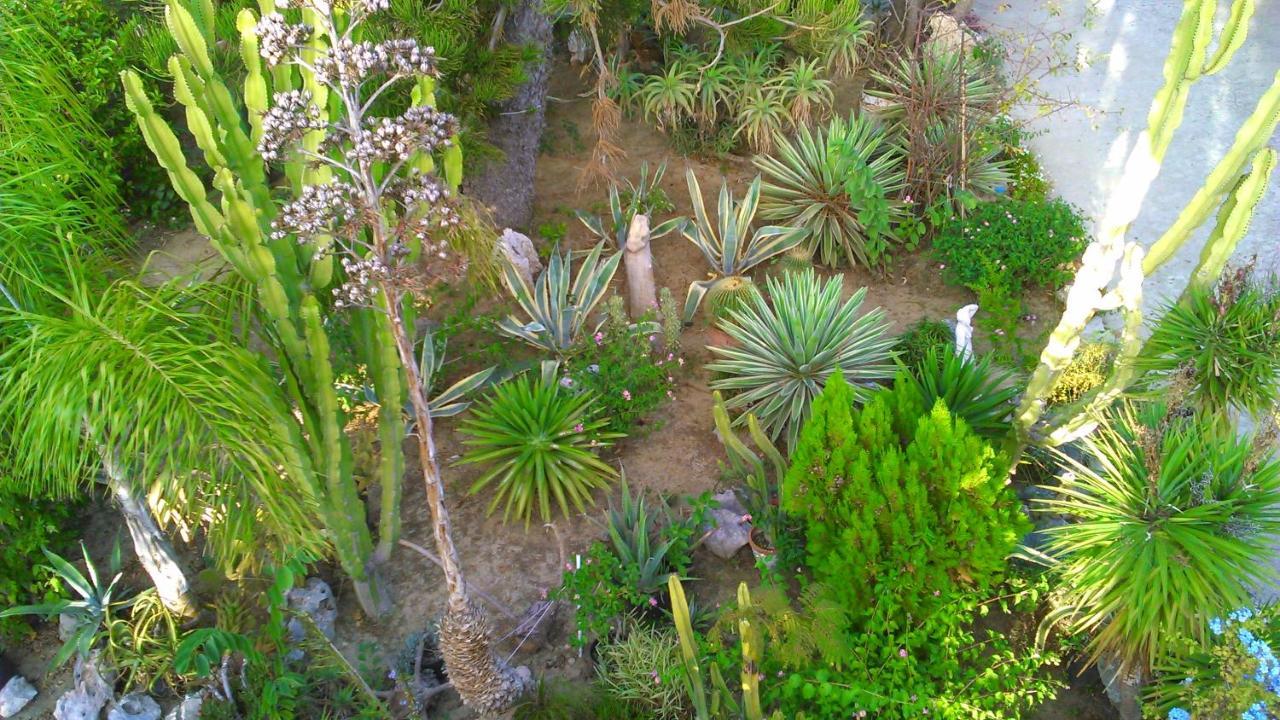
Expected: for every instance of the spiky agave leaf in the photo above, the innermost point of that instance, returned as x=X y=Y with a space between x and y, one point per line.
x=669 y=97
x=536 y=440
x=1173 y=521
x=788 y=345
x=807 y=186
x=557 y=310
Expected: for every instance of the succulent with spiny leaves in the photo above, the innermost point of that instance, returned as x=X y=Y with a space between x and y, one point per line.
x=837 y=182
x=558 y=312
x=728 y=245
x=669 y=96
x=761 y=117
x=787 y=346
x=804 y=91
x=643 y=197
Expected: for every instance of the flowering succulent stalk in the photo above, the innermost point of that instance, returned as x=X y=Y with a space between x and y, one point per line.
x=388 y=217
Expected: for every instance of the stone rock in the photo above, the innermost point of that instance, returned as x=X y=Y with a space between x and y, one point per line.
x=135 y=706
x=188 y=709
x=520 y=252
x=728 y=500
x=316 y=601
x=15 y=695
x=728 y=533
x=1124 y=691
x=948 y=36
x=91 y=693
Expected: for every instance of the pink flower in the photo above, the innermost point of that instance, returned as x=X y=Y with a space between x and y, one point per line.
x=745 y=518
x=907 y=200
x=577 y=428
x=681 y=361
x=902 y=652
x=599 y=338
x=626 y=394
x=653 y=601
x=671 y=356
x=653 y=338
x=671 y=395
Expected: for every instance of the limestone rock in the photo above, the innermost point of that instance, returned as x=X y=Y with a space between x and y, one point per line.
x=1124 y=691
x=948 y=36
x=729 y=533
x=316 y=601
x=135 y=706
x=188 y=709
x=90 y=694
x=520 y=252
x=15 y=695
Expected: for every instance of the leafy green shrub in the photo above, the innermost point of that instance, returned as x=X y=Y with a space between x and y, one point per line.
x=26 y=526
x=1088 y=369
x=836 y=182
x=899 y=490
x=1236 y=673
x=1026 y=178
x=643 y=668
x=921 y=336
x=621 y=369
x=1224 y=342
x=979 y=393
x=788 y=345
x=1174 y=517
x=904 y=665
x=538 y=441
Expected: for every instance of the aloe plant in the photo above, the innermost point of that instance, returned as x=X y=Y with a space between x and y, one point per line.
x=638 y=202
x=788 y=345
x=728 y=245
x=669 y=96
x=761 y=116
x=558 y=312
x=803 y=91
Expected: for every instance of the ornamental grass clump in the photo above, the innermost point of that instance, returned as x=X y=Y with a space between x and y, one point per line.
x=899 y=491
x=789 y=344
x=1173 y=516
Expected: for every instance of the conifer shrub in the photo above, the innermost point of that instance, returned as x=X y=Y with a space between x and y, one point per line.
x=899 y=490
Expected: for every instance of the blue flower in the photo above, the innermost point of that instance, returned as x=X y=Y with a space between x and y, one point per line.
x=1215 y=626
x=1256 y=711
x=1001 y=189
x=1241 y=615
x=1179 y=714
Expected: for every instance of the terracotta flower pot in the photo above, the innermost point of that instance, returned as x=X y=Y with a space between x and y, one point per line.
x=761 y=551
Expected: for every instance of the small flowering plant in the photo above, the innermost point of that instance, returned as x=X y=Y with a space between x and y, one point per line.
x=1235 y=675
x=628 y=369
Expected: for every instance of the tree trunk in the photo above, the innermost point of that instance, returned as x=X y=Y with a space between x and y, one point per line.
x=485 y=681
x=642 y=295
x=151 y=546
x=507 y=185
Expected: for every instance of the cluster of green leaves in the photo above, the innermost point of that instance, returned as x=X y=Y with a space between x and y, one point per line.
x=565 y=700
x=1180 y=508
x=899 y=491
x=626 y=575
x=1027 y=180
x=1233 y=672
x=920 y=337
x=537 y=441
x=839 y=183
x=28 y=525
x=625 y=368
x=981 y=393
x=902 y=663
x=1002 y=249
x=642 y=668
x=1088 y=369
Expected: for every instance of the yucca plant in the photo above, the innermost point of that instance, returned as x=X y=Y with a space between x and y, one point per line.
x=635 y=532
x=90 y=612
x=804 y=91
x=640 y=199
x=537 y=441
x=1173 y=521
x=761 y=116
x=974 y=389
x=788 y=344
x=559 y=311
x=1221 y=344
x=836 y=182
x=726 y=245
x=669 y=97
x=935 y=87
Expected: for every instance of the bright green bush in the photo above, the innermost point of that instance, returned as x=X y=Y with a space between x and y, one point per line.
x=1173 y=518
x=899 y=490
x=904 y=665
x=538 y=442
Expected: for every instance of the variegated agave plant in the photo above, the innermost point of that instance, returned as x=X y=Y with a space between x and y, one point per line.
x=729 y=245
x=621 y=216
x=557 y=310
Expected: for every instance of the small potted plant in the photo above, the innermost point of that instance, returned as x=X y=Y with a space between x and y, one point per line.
x=760 y=491
x=761 y=500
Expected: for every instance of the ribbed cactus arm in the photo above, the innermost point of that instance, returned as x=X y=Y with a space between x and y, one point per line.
x=1251 y=138
x=1233 y=220
x=1232 y=35
x=256 y=93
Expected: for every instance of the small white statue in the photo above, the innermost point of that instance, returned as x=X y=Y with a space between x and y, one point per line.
x=964 y=331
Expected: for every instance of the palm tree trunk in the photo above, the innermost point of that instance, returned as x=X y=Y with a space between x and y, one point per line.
x=153 y=549
x=485 y=681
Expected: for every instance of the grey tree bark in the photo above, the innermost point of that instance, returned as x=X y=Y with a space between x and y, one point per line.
x=507 y=185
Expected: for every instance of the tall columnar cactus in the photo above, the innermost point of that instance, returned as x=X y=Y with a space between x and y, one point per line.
x=292 y=279
x=719 y=702
x=1230 y=190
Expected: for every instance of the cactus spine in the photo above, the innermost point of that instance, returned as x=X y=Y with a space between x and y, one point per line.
x=1225 y=188
x=287 y=276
